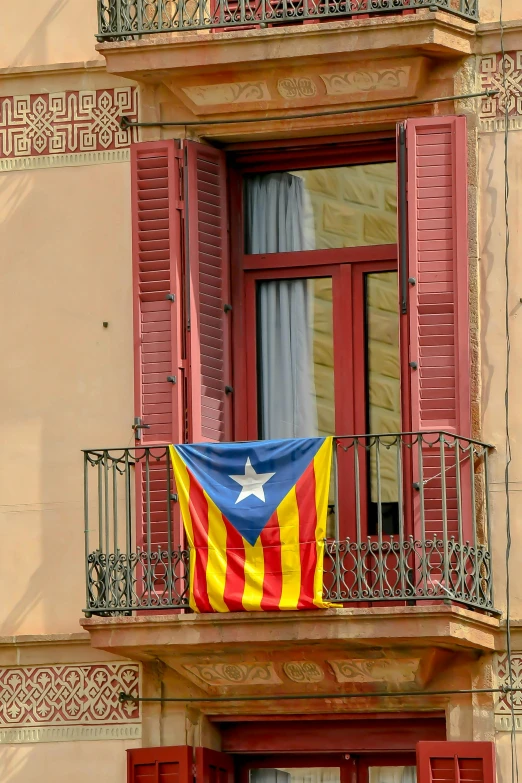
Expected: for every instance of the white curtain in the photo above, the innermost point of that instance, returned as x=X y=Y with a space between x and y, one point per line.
x=279 y=219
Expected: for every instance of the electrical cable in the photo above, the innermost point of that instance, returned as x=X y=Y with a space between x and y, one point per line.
x=126 y=123
x=514 y=759
x=504 y=689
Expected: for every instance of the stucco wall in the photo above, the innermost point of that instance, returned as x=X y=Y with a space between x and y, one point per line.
x=45 y=32
x=62 y=762
x=493 y=346
x=66 y=268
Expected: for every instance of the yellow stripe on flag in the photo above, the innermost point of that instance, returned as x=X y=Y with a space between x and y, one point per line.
x=254 y=576
x=182 y=479
x=322 y=470
x=217 y=557
x=288 y=518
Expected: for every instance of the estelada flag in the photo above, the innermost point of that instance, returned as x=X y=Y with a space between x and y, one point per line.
x=255 y=518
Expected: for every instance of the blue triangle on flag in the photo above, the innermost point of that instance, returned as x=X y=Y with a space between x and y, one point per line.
x=247 y=481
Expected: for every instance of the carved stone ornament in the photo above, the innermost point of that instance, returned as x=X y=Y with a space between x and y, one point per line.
x=66 y=128
x=364 y=81
x=296 y=87
x=303 y=671
x=70 y=702
x=236 y=92
x=394 y=672
x=234 y=673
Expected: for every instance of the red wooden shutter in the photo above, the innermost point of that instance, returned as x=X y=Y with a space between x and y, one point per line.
x=160 y=765
x=213 y=767
x=455 y=762
x=438 y=361
x=157 y=270
x=209 y=316
x=438 y=261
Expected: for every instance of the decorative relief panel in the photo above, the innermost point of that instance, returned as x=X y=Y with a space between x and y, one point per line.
x=303 y=671
x=235 y=92
x=291 y=87
x=66 y=128
x=394 y=672
x=366 y=81
x=503 y=715
x=70 y=702
x=218 y=674
x=492 y=110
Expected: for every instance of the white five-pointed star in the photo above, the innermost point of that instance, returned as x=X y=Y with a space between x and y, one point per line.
x=252 y=483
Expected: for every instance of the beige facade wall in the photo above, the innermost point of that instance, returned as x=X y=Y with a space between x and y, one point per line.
x=493 y=345
x=48 y=32
x=66 y=268
x=61 y=762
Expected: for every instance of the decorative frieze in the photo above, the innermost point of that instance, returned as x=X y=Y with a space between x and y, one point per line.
x=504 y=75
x=69 y=702
x=239 y=674
x=510 y=704
x=66 y=128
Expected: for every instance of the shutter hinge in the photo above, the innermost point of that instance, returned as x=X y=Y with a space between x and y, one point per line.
x=138 y=426
x=229 y=389
x=227 y=308
x=172 y=379
x=170 y=297
x=413 y=365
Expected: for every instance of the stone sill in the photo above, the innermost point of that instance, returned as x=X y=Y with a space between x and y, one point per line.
x=144 y=637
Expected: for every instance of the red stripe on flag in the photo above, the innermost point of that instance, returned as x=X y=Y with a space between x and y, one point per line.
x=305 y=495
x=273 y=577
x=235 y=576
x=198 y=507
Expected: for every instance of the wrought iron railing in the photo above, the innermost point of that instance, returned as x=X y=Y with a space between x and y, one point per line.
x=408 y=522
x=122 y=19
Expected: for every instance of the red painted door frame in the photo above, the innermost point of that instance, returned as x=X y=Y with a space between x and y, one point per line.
x=347 y=268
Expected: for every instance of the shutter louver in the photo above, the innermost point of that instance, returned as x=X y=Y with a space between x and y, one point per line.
x=455 y=762
x=438 y=262
x=439 y=359
x=213 y=767
x=159 y=765
x=207 y=253
x=157 y=267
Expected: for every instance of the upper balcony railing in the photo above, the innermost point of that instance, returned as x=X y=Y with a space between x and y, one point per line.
x=124 y=19
x=409 y=522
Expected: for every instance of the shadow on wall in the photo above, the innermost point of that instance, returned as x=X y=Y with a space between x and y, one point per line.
x=36 y=45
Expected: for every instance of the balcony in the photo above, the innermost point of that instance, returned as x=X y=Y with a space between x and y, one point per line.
x=408 y=523
x=124 y=19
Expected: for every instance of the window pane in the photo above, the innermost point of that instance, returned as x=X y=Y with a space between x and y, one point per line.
x=296 y=363
x=383 y=384
x=392 y=775
x=295 y=356
x=297 y=775
x=346 y=206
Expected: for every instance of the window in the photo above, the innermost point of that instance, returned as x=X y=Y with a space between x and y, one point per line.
x=313 y=260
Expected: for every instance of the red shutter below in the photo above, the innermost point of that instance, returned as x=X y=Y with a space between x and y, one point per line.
x=209 y=340
x=213 y=767
x=455 y=762
x=160 y=765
